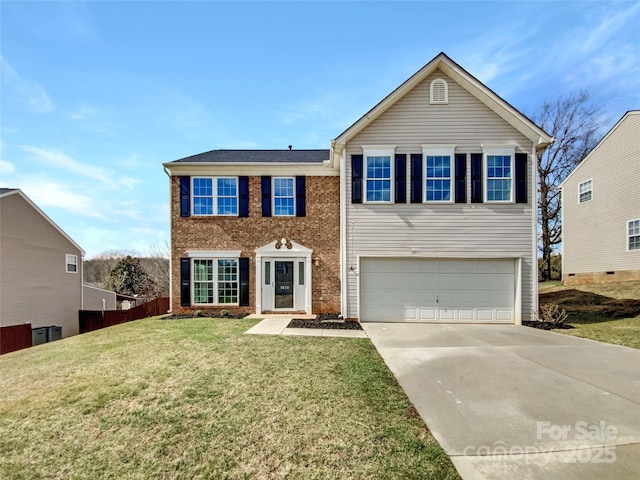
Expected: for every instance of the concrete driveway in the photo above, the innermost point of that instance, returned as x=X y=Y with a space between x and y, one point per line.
x=511 y=402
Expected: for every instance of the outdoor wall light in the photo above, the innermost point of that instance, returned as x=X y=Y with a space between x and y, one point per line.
x=316 y=262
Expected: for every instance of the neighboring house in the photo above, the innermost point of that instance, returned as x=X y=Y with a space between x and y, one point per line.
x=422 y=210
x=94 y=298
x=40 y=267
x=601 y=209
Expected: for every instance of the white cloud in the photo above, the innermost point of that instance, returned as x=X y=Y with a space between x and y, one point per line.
x=58 y=159
x=6 y=167
x=46 y=193
x=609 y=26
x=28 y=92
x=83 y=112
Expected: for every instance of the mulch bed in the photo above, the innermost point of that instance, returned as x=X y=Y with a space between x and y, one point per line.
x=328 y=321
x=202 y=315
x=547 y=325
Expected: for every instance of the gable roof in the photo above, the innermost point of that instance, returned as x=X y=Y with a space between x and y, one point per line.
x=602 y=141
x=258 y=156
x=442 y=62
x=5 y=192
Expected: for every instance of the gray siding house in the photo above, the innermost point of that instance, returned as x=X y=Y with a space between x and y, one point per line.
x=601 y=209
x=438 y=204
x=41 y=267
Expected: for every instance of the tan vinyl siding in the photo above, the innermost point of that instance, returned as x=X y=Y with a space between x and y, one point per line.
x=595 y=232
x=34 y=285
x=92 y=298
x=445 y=230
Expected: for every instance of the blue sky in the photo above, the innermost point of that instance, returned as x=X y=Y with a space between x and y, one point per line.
x=97 y=95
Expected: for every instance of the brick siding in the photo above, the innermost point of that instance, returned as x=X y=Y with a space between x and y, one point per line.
x=318 y=231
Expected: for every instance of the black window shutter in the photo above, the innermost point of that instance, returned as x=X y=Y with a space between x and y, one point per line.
x=185 y=282
x=266 y=196
x=244 y=282
x=521 y=178
x=301 y=197
x=476 y=178
x=401 y=178
x=416 y=178
x=356 y=178
x=185 y=201
x=243 y=187
x=461 y=178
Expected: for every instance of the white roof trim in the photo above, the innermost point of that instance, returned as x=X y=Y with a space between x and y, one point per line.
x=604 y=139
x=45 y=216
x=296 y=250
x=442 y=62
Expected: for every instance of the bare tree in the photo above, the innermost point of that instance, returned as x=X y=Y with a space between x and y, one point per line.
x=574 y=122
x=156 y=263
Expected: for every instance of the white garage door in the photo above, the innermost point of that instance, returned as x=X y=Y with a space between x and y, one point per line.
x=437 y=290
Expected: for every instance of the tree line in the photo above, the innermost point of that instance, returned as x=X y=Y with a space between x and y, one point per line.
x=128 y=274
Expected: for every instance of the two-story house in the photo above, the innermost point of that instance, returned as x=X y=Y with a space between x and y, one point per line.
x=423 y=210
x=601 y=209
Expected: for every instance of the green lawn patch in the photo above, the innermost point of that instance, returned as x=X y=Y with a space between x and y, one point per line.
x=196 y=398
x=608 y=312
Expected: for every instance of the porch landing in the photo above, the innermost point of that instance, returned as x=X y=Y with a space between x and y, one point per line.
x=276 y=324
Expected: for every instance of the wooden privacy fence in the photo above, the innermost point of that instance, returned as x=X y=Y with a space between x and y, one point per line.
x=15 y=337
x=95 y=319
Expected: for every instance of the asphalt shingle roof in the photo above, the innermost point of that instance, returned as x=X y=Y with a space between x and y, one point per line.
x=258 y=156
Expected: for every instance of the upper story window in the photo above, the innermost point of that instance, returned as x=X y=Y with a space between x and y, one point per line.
x=585 y=191
x=633 y=235
x=284 y=198
x=215 y=196
x=439 y=91
x=438 y=174
x=71 y=263
x=378 y=174
x=499 y=174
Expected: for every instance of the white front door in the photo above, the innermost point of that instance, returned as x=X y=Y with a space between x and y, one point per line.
x=283 y=285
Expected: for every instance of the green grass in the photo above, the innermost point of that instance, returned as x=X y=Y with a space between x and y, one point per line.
x=197 y=399
x=608 y=312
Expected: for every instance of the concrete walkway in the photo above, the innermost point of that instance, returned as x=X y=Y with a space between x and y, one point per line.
x=511 y=402
x=277 y=325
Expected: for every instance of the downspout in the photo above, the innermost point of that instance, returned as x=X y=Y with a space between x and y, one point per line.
x=534 y=206
x=343 y=233
x=168 y=173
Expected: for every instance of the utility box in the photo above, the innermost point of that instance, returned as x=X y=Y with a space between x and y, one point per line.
x=54 y=333
x=38 y=335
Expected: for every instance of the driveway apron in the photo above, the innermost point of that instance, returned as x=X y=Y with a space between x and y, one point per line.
x=513 y=402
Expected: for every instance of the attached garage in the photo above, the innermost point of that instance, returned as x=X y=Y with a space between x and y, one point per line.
x=438 y=290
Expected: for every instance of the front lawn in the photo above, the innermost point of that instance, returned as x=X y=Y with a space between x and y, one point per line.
x=607 y=312
x=196 y=398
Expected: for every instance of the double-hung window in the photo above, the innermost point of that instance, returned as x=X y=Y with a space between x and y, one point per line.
x=215 y=195
x=215 y=281
x=71 y=263
x=585 y=191
x=284 y=196
x=633 y=234
x=438 y=166
x=378 y=175
x=499 y=174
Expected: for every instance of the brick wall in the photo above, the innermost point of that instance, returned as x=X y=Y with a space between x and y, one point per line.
x=319 y=231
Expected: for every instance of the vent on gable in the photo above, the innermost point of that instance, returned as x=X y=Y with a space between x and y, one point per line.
x=439 y=91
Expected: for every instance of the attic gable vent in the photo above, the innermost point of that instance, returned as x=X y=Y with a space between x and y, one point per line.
x=439 y=92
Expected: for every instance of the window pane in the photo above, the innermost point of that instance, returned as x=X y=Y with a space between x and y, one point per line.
x=438 y=181
x=227 y=281
x=203 y=196
x=283 y=196
x=379 y=179
x=267 y=273
x=203 y=281
x=227 y=196
x=301 y=273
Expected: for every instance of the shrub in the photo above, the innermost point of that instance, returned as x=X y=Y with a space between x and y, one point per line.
x=551 y=313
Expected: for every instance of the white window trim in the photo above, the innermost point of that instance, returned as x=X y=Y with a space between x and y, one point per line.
x=438 y=150
x=628 y=235
x=273 y=197
x=435 y=81
x=590 y=190
x=214 y=192
x=487 y=151
x=70 y=259
x=379 y=151
x=216 y=281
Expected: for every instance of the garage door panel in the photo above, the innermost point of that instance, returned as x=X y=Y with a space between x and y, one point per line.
x=437 y=290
